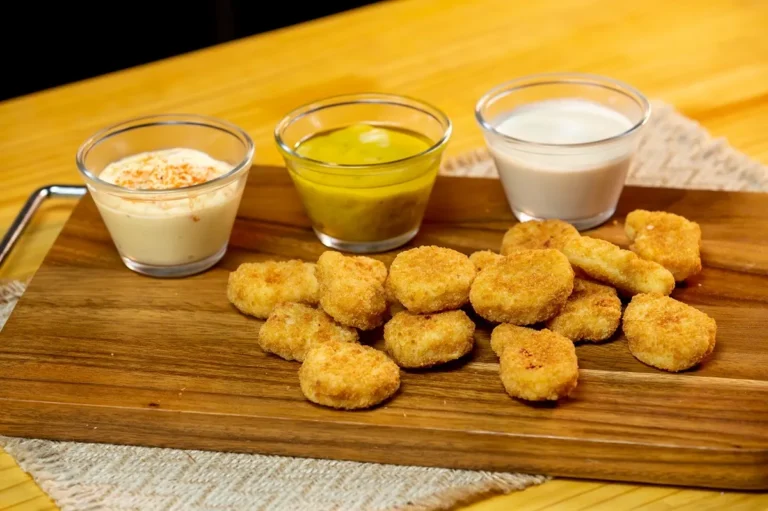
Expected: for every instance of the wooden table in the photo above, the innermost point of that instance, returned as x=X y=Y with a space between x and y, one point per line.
x=709 y=58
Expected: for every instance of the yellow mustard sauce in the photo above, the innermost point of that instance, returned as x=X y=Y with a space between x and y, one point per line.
x=359 y=203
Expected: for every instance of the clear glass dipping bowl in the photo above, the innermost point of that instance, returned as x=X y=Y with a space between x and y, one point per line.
x=580 y=182
x=175 y=232
x=372 y=207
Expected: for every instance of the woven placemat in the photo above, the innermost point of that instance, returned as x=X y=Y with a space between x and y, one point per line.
x=675 y=152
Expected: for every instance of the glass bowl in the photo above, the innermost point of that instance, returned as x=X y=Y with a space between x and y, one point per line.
x=170 y=232
x=367 y=207
x=563 y=143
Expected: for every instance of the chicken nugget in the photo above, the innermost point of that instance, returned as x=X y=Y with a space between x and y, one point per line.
x=592 y=313
x=255 y=288
x=538 y=234
x=622 y=269
x=671 y=240
x=292 y=328
x=352 y=289
x=535 y=365
x=347 y=375
x=431 y=279
x=372 y=267
x=414 y=340
x=667 y=334
x=523 y=288
x=484 y=258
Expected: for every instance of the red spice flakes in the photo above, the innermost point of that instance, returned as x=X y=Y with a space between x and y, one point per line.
x=164 y=170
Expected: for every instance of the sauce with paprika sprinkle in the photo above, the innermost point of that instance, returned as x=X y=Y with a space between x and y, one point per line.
x=171 y=230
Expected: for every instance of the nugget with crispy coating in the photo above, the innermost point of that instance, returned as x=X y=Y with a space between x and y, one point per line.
x=592 y=313
x=484 y=258
x=352 y=289
x=347 y=375
x=667 y=334
x=671 y=240
x=622 y=269
x=255 y=288
x=523 y=288
x=431 y=279
x=292 y=328
x=538 y=234
x=414 y=340
x=535 y=365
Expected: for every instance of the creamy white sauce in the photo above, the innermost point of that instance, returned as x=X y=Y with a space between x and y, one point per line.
x=178 y=228
x=562 y=181
x=563 y=121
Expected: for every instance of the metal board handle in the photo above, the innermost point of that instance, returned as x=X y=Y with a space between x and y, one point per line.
x=33 y=203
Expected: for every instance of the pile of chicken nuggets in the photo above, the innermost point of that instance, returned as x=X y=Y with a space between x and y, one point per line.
x=547 y=288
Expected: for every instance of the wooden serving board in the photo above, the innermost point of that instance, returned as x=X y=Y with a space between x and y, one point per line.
x=97 y=353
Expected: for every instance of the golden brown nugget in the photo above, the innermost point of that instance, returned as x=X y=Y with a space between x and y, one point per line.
x=414 y=340
x=524 y=288
x=431 y=279
x=255 y=288
x=535 y=365
x=667 y=334
x=390 y=294
x=352 y=289
x=538 y=234
x=293 y=327
x=393 y=306
x=592 y=313
x=484 y=258
x=671 y=240
x=622 y=269
x=347 y=375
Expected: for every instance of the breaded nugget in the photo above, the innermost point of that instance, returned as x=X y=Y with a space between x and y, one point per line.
x=372 y=267
x=352 y=289
x=622 y=269
x=293 y=327
x=592 y=313
x=671 y=240
x=255 y=288
x=431 y=279
x=394 y=306
x=538 y=234
x=667 y=334
x=499 y=338
x=347 y=375
x=484 y=258
x=414 y=340
x=535 y=365
x=390 y=293
x=523 y=288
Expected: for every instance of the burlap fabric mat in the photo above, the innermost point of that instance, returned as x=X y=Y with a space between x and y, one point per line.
x=675 y=152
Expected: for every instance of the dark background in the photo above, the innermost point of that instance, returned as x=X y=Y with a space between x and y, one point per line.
x=45 y=44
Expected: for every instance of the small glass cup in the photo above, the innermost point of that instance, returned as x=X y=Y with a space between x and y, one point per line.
x=370 y=207
x=567 y=149
x=171 y=232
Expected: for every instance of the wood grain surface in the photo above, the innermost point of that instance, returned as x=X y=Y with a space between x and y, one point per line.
x=708 y=58
x=97 y=353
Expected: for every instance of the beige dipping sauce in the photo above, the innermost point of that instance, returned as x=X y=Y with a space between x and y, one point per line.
x=569 y=183
x=169 y=231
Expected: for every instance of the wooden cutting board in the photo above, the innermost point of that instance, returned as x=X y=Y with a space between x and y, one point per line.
x=97 y=353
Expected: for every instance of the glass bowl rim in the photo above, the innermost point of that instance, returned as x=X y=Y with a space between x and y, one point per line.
x=370 y=98
x=539 y=79
x=147 y=121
